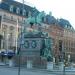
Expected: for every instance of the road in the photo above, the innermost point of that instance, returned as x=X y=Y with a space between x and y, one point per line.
x=14 y=71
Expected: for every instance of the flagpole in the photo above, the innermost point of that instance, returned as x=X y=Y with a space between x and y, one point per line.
x=1 y=34
x=16 y=36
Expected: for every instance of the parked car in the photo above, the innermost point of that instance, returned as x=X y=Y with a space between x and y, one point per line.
x=8 y=53
x=3 y=52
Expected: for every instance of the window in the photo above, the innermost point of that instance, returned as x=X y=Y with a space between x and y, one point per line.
x=10 y=36
x=11 y=17
x=11 y=8
x=24 y=20
x=4 y=16
x=65 y=26
x=17 y=10
x=24 y=12
x=4 y=27
x=11 y=28
x=29 y=14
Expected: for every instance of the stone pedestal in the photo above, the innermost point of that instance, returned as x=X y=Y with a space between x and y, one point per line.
x=61 y=66
x=49 y=65
x=29 y=64
x=10 y=63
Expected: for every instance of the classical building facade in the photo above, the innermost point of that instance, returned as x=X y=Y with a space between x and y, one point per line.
x=56 y=32
x=69 y=43
x=12 y=18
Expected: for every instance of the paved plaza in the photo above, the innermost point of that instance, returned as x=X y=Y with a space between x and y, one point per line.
x=14 y=71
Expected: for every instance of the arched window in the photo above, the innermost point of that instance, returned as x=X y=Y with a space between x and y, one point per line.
x=24 y=12
x=17 y=10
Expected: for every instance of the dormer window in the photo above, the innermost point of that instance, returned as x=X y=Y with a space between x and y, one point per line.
x=29 y=14
x=66 y=26
x=43 y=19
x=11 y=8
x=17 y=10
x=24 y=12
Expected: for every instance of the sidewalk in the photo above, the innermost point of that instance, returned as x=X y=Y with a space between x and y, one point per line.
x=35 y=69
x=2 y=64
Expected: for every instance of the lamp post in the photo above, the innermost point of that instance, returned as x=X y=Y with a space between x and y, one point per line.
x=64 y=62
x=16 y=36
x=19 y=67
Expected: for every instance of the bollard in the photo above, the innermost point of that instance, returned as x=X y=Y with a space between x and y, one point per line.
x=49 y=65
x=29 y=64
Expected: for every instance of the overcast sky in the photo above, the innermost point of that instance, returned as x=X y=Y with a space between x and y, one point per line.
x=59 y=8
